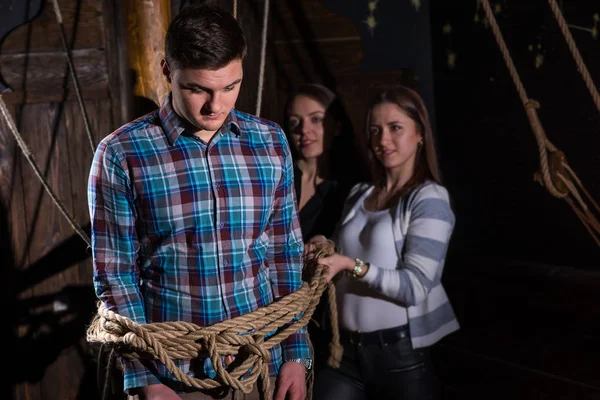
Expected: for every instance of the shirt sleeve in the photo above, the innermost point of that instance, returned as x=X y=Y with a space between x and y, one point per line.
x=425 y=246
x=114 y=244
x=285 y=249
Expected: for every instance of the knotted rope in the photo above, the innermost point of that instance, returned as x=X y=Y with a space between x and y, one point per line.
x=246 y=336
x=555 y=173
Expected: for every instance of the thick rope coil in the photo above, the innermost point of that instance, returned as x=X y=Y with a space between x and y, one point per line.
x=243 y=336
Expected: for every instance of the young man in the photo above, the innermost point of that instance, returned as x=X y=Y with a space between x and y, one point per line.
x=193 y=210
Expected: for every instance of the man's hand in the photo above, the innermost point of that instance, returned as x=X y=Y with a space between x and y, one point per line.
x=156 y=392
x=291 y=381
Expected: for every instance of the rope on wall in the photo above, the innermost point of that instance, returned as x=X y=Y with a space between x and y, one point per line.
x=555 y=174
x=69 y=57
x=27 y=153
x=263 y=53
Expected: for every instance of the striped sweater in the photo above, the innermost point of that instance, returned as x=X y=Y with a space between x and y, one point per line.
x=422 y=226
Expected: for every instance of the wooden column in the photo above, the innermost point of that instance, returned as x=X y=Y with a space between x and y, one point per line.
x=147 y=22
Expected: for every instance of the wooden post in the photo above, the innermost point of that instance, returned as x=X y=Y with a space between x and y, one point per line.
x=147 y=22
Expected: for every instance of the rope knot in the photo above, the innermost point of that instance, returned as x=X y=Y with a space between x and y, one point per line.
x=531 y=103
x=258 y=349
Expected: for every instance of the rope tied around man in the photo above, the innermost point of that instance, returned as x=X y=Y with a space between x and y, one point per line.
x=248 y=337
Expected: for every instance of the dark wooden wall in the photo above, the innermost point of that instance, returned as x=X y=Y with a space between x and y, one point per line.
x=522 y=272
x=48 y=292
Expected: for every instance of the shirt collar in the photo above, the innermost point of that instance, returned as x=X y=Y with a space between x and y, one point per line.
x=174 y=126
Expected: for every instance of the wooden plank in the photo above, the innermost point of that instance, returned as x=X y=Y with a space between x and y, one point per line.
x=519 y=331
x=8 y=149
x=43 y=33
x=114 y=27
x=80 y=158
x=43 y=131
x=309 y=20
x=11 y=218
x=250 y=14
x=472 y=376
x=41 y=96
x=317 y=62
x=48 y=71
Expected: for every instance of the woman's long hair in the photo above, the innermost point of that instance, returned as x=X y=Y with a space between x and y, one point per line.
x=343 y=161
x=426 y=164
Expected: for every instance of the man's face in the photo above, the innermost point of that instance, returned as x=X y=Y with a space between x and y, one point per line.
x=205 y=97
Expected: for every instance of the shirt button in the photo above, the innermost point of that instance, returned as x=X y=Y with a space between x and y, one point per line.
x=218 y=186
x=221 y=224
x=225 y=262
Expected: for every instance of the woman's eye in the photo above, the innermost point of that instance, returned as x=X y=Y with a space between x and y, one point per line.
x=396 y=127
x=293 y=123
x=316 y=120
x=195 y=90
x=374 y=131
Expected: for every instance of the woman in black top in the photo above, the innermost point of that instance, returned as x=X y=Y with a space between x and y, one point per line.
x=326 y=167
x=320 y=135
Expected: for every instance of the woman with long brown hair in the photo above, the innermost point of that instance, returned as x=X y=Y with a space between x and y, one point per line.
x=392 y=241
x=320 y=136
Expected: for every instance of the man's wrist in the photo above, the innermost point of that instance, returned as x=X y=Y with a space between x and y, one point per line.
x=307 y=362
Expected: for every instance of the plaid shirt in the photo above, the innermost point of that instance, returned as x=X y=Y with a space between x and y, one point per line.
x=188 y=231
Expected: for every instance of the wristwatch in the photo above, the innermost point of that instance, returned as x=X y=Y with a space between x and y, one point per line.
x=358 y=268
x=307 y=362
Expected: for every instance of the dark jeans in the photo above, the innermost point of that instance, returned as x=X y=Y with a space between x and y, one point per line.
x=378 y=365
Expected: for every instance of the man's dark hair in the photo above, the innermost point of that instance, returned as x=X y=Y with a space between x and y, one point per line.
x=203 y=37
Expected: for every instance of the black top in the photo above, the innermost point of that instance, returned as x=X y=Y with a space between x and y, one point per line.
x=323 y=210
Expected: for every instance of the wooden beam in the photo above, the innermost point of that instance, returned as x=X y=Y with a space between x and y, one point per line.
x=147 y=27
x=47 y=71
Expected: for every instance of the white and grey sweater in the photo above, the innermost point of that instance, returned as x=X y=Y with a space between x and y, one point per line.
x=422 y=224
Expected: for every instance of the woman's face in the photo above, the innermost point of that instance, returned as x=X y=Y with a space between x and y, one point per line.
x=394 y=137
x=306 y=117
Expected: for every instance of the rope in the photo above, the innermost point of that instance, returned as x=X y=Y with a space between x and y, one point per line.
x=263 y=53
x=243 y=336
x=581 y=67
x=68 y=55
x=557 y=183
x=27 y=153
x=235 y=7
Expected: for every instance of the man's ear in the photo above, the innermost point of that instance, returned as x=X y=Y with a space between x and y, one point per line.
x=166 y=70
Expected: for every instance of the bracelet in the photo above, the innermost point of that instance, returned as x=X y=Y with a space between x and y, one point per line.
x=358 y=268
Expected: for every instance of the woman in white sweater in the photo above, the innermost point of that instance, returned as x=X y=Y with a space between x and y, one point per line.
x=391 y=242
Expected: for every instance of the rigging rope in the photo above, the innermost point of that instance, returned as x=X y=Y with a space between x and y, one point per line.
x=561 y=181
x=263 y=53
x=69 y=57
x=27 y=153
x=581 y=67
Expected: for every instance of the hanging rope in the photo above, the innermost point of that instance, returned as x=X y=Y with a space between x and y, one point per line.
x=581 y=67
x=561 y=181
x=69 y=57
x=27 y=153
x=243 y=336
x=263 y=53
x=235 y=6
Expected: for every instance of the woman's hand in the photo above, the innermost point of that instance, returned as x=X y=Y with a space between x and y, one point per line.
x=336 y=264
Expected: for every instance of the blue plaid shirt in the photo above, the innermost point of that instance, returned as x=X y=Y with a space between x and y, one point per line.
x=188 y=231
